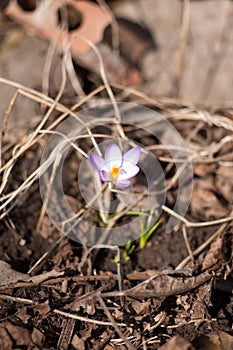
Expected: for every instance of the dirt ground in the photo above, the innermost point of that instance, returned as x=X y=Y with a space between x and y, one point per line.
x=60 y=291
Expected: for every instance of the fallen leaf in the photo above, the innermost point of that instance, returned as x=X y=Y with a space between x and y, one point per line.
x=23 y=315
x=216 y=341
x=204 y=201
x=226 y=340
x=43 y=308
x=203 y=169
x=109 y=347
x=37 y=337
x=77 y=343
x=201 y=300
x=214 y=254
x=141 y=309
x=8 y=275
x=177 y=343
x=88 y=304
x=167 y=283
x=20 y=335
x=5 y=340
x=224 y=182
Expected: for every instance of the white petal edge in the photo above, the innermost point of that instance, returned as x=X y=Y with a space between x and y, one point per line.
x=123 y=184
x=132 y=155
x=113 y=156
x=129 y=173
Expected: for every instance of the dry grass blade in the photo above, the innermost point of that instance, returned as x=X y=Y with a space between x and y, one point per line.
x=183 y=43
x=85 y=319
x=115 y=325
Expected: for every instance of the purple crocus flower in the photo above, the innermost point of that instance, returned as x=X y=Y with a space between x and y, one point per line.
x=115 y=167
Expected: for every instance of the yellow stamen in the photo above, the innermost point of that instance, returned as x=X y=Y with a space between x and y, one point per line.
x=115 y=170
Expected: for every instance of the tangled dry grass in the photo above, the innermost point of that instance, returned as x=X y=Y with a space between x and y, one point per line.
x=208 y=136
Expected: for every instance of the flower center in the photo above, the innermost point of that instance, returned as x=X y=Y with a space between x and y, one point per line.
x=115 y=170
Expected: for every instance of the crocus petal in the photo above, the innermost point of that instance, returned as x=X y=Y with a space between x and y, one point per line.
x=115 y=167
x=132 y=155
x=96 y=161
x=106 y=167
x=104 y=176
x=128 y=173
x=113 y=155
x=122 y=184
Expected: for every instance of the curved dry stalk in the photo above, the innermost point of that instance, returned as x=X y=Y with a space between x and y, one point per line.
x=183 y=44
x=39 y=97
x=202 y=247
x=128 y=344
x=105 y=246
x=47 y=67
x=196 y=224
x=85 y=319
x=114 y=26
x=108 y=88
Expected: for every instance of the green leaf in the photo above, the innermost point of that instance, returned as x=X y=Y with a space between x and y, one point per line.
x=135 y=213
x=145 y=237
